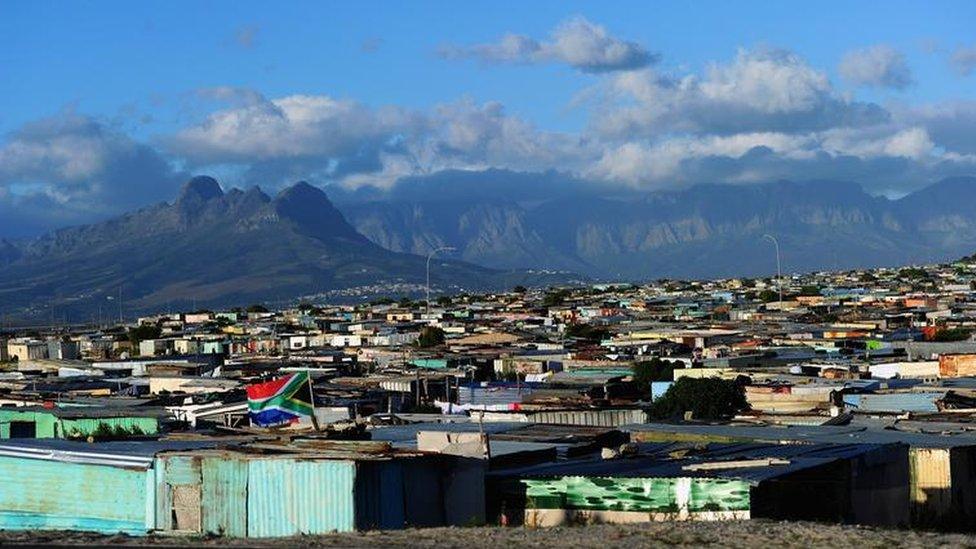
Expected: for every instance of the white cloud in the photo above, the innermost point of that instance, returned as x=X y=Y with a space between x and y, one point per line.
x=345 y=140
x=879 y=66
x=246 y=36
x=950 y=124
x=577 y=42
x=295 y=126
x=765 y=156
x=760 y=90
x=964 y=60
x=766 y=114
x=69 y=166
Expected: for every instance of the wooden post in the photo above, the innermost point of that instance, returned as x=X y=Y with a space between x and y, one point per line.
x=311 y=392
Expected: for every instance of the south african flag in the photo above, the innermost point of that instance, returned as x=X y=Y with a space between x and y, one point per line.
x=280 y=402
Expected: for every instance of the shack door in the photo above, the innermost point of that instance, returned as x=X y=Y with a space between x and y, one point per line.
x=182 y=494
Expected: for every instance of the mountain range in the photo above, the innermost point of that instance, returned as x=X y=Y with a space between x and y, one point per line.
x=210 y=248
x=508 y=220
x=214 y=248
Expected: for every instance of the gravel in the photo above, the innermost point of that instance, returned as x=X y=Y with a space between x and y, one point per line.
x=744 y=534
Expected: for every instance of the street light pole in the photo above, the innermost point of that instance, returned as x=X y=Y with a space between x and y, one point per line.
x=779 y=271
x=429 y=257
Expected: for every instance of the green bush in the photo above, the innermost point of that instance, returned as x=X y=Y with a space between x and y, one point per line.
x=430 y=336
x=144 y=331
x=587 y=331
x=648 y=371
x=706 y=399
x=952 y=334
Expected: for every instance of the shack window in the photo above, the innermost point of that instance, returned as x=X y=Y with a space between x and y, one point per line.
x=23 y=429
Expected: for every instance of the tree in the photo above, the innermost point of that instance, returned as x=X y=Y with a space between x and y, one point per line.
x=706 y=399
x=257 y=308
x=952 y=334
x=555 y=298
x=520 y=289
x=587 y=332
x=430 y=336
x=913 y=273
x=647 y=371
x=767 y=296
x=144 y=331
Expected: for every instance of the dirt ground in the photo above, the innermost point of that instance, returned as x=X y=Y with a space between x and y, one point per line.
x=744 y=534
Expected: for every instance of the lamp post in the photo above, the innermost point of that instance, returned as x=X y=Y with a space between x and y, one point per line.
x=779 y=272
x=429 y=257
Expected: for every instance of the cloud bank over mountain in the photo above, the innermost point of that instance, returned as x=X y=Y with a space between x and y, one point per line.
x=761 y=114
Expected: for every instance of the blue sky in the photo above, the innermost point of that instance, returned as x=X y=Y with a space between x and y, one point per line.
x=646 y=94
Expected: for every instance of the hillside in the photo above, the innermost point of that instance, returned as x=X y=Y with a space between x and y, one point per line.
x=705 y=231
x=210 y=248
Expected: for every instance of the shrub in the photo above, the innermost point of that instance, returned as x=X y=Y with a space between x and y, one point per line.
x=430 y=336
x=706 y=399
x=652 y=370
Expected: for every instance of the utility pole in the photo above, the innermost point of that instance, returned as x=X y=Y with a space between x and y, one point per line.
x=429 y=257
x=779 y=271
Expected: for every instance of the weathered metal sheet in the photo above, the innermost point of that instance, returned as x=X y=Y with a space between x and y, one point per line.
x=225 y=496
x=604 y=499
x=180 y=470
x=82 y=427
x=379 y=495
x=596 y=418
x=37 y=494
x=931 y=485
x=288 y=497
x=895 y=402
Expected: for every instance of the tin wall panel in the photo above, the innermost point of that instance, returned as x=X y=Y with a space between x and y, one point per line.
x=595 y=418
x=289 y=497
x=931 y=485
x=379 y=495
x=180 y=470
x=50 y=495
x=224 y=497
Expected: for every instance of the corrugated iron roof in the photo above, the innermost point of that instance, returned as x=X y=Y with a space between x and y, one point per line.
x=117 y=454
x=858 y=432
x=670 y=460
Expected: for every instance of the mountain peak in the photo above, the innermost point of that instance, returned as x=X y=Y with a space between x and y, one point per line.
x=202 y=188
x=302 y=189
x=310 y=208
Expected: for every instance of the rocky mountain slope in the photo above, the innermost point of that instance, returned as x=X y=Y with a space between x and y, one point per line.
x=210 y=248
x=546 y=220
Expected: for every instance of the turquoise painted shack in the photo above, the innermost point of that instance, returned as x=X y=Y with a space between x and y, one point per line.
x=49 y=484
x=430 y=363
x=77 y=422
x=190 y=487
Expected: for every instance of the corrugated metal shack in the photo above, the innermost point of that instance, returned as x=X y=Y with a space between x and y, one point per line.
x=513 y=444
x=609 y=417
x=305 y=486
x=941 y=457
x=851 y=483
x=77 y=422
x=62 y=485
